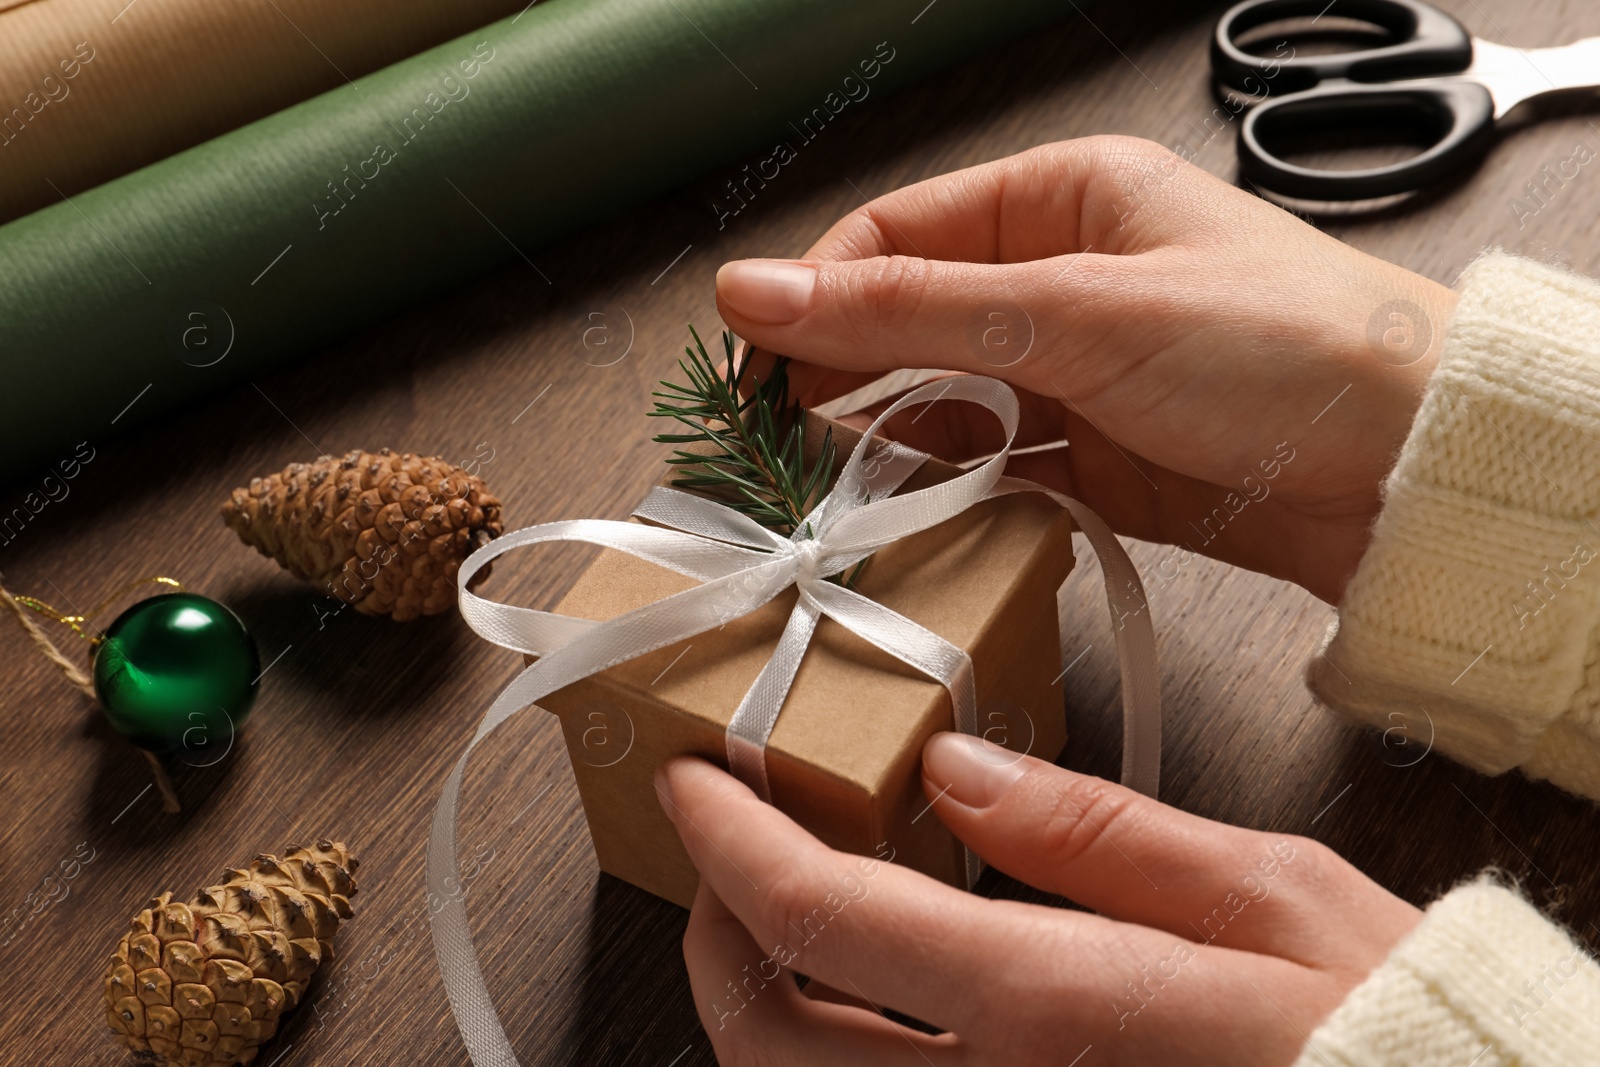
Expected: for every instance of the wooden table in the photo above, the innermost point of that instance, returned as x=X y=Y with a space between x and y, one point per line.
x=360 y=719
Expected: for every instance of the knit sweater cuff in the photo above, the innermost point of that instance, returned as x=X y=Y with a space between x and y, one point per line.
x=1474 y=617
x=1484 y=980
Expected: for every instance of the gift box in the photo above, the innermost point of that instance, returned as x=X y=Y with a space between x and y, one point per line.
x=844 y=759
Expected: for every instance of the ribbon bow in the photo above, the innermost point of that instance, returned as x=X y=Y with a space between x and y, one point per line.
x=742 y=565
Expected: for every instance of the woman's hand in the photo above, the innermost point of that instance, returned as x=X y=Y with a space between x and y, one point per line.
x=1230 y=378
x=1209 y=944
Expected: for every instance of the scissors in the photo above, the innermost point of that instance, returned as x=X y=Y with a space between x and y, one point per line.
x=1432 y=80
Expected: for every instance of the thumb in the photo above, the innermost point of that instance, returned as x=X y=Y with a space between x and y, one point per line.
x=1132 y=858
x=888 y=312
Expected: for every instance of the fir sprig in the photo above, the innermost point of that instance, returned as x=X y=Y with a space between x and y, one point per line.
x=756 y=463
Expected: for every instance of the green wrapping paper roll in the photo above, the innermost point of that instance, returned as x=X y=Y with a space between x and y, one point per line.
x=275 y=239
x=92 y=89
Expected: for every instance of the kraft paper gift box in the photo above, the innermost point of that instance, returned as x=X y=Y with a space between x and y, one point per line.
x=845 y=758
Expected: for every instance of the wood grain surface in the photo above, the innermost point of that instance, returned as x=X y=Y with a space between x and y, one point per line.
x=360 y=719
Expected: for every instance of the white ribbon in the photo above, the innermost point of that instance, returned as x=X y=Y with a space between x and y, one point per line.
x=741 y=565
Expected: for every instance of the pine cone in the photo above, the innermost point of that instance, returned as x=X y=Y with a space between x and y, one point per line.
x=202 y=984
x=382 y=531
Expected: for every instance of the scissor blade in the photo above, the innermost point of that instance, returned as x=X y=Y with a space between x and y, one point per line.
x=1513 y=75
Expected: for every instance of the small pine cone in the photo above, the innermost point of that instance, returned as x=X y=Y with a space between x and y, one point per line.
x=203 y=984
x=384 y=531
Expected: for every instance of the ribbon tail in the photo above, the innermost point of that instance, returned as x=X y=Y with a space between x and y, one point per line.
x=476 y=1018
x=470 y=1002
x=1135 y=635
x=592 y=650
x=1136 y=653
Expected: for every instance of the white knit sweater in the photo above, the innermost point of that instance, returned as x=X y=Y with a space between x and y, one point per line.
x=1479 y=603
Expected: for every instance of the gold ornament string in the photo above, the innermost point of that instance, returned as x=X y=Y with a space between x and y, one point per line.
x=73 y=620
x=74 y=674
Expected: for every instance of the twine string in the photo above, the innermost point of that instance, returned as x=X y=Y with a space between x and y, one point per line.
x=75 y=674
x=72 y=671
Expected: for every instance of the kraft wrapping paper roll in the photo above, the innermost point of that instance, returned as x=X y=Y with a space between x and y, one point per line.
x=277 y=238
x=92 y=89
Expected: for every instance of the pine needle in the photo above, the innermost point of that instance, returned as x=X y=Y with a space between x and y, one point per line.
x=756 y=463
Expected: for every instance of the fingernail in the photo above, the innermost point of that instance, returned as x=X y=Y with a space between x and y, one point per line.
x=972 y=771
x=768 y=291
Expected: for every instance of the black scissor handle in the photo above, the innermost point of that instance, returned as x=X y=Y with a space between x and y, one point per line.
x=1456 y=117
x=1429 y=42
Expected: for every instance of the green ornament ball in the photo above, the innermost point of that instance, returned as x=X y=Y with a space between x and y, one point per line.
x=176 y=675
